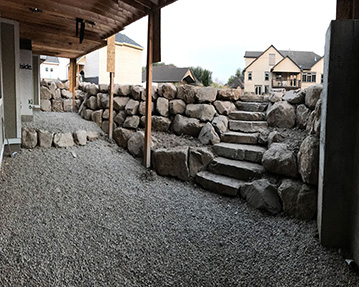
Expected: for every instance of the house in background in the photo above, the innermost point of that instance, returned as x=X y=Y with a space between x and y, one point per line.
x=171 y=74
x=237 y=83
x=49 y=68
x=93 y=66
x=274 y=69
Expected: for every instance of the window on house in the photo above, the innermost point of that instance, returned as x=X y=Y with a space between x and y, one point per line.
x=266 y=76
x=271 y=59
x=46 y=69
x=322 y=78
x=51 y=70
x=309 y=77
x=266 y=89
x=258 y=90
x=249 y=76
x=314 y=78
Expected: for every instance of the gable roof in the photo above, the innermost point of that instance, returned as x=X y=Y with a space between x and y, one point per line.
x=237 y=82
x=123 y=39
x=167 y=74
x=303 y=59
x=252 y=53
x=52 y=60
x=287 y=57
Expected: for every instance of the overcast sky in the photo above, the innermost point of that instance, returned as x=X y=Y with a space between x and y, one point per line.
x=215 y=34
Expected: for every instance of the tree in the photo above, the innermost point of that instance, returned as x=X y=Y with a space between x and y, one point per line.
x=202 y=75
x=239 y=72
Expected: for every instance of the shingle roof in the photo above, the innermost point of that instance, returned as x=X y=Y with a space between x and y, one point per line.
x=53 y=60
x=252 y=54
x=166 y=74
x=303 y=59
x=123 y=39
x=236 y=82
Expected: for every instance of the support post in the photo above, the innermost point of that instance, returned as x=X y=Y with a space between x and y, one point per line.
x=347 y=9
x=110 y=124
x=147 y=141
x=72 y=79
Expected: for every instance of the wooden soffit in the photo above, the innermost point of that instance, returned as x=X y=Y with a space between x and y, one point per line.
x=51 y=25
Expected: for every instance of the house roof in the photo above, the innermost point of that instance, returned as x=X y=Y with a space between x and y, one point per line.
x=167 y=74
x=261 y=53
x=123 y=39
x=52 y=60
x=303 y=59
x=236 y=82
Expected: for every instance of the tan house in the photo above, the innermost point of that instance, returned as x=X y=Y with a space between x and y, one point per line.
x=93 y=66
x=284 y=69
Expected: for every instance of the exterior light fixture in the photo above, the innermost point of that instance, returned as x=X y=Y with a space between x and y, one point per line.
x=35 y=10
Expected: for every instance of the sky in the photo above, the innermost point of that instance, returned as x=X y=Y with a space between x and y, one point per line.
x=215 y=34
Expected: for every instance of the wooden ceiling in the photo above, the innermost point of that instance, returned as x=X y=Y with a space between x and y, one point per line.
x=53 y=29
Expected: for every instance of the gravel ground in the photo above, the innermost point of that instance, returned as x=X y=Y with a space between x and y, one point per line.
x=101 y=219
x=61 y=122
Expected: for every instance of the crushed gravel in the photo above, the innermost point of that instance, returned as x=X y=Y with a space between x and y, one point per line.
x=101 y=219
x=61 y=122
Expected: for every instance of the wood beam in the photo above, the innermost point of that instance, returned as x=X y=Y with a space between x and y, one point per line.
x=157 y=36
x=72 y=79
x=147 y=141
x=347 y=9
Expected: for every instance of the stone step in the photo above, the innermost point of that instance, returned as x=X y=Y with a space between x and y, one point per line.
x=247 y=126
x=235 y=168
x=254 y=98
x=245 y=152
x=237 y=137
x=247 y=116
x=251 y=106
x=219 y=183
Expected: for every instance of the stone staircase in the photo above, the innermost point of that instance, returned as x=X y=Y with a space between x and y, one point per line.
x=239 y=155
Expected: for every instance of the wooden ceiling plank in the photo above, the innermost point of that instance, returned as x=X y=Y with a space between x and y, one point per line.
x=135 y=5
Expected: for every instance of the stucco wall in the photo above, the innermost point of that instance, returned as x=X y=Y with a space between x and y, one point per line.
x=287 y=66
x=317 y=68
x=91 y=68
x=26 y=85
x=52 y=72
x=258 y=68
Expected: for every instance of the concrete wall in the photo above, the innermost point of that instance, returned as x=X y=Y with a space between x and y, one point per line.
x=26 y=85
x=91 y=68
x=36 y=79
x=258 y=68
x=338 y=195
x=11 y=64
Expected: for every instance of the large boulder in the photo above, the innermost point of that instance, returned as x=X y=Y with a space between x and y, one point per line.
x=313 y=95
x=220 y=124
x=91 y=136
x=281 y=115
x=208 y=135
x=294 y=97
x=169 y=91
x=45 y=93
x=224 y=107
x=106 y=126
x=124 y=90
x=275 y=97
x=96 y=117
x=57 y=105
x=162 y=107
x=206 y=95
x=57 y=94
x=299 y=200
x=120 y=118
x=66 y=94
x=103 y=88
x=171 y=162
x=132 y=122
x=103 y=100
x=308 y=160
x=68 y=105
x=91 y=103
x=80 y=137
x=279 y=159
x=45 y=105
x=302 y=116
x=132 y=107
x=228 y=94
x=136 y=92
x=160 y=124
x=121 y=136
x=188 y=126
x=92 y=89
x=177 y=107
x=63 y=140
x=135 y=144
x=28 y=138
x=87 y=114
x=154 y=94
x=45 y=138
x=262 y=195
x=314 y=120
x=275 y=137
x=203 y=112
x=199 y=159
x=187 y=93
x=119 y=103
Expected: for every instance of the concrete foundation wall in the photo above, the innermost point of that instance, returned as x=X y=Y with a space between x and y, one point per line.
x=338 y=217
x=26 y=85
